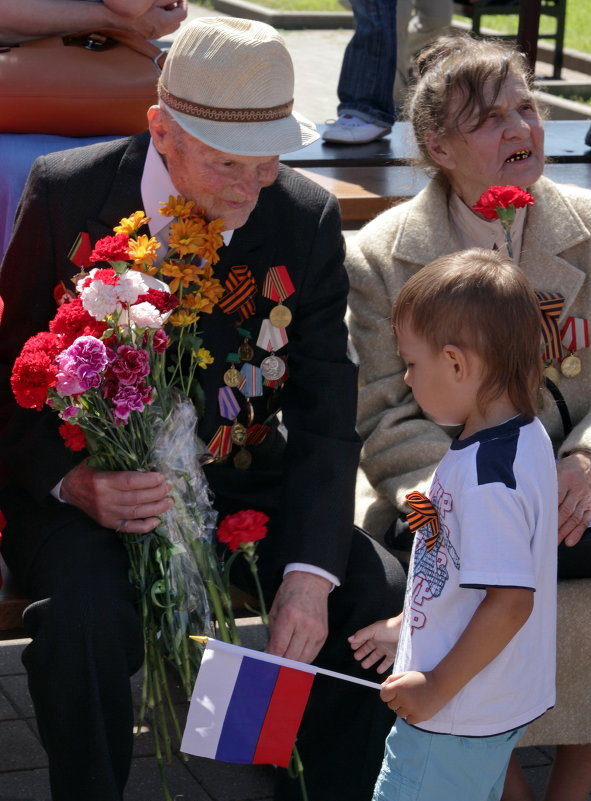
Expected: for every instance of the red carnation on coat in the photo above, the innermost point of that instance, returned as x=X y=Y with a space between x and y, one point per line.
x=243 y=527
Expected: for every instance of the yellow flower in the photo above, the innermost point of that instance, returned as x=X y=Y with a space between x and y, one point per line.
x=130 y=224
x=184 y=274
x=177 y=207
x=214 y=240
x=203 y=357
x=143 y=249
x=212 y=289
x=183 y=317
x=187 y=236
x=147 y=269
x=197 y=302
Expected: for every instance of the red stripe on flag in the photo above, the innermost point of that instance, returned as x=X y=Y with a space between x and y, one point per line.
x=283 y=717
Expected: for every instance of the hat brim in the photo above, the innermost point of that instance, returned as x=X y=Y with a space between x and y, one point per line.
x=272 y=138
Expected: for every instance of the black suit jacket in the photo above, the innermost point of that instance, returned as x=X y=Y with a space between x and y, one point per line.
x=307 y=484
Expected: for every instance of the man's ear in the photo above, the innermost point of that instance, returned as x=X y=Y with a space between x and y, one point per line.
x=159 y=125
x=440 y=151
x=457 y=361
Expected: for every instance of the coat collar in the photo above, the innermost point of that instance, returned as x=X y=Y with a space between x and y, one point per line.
x=553 y=226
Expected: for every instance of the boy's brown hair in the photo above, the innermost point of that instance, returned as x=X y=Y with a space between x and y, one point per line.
x=480 y=301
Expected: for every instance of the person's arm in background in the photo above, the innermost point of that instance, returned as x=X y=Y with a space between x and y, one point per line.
x=400 y=446
x=33 y=19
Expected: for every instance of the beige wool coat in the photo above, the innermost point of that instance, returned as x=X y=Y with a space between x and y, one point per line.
x=401 y=447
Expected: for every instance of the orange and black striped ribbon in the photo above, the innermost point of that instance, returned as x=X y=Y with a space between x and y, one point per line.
x=240 y=289
x=551 y=304
x=423 y=513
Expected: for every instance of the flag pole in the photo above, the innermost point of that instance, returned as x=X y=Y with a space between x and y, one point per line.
x=279 y=660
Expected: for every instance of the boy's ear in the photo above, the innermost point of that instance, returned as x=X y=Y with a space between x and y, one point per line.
x=440 y=151
x=457 y=361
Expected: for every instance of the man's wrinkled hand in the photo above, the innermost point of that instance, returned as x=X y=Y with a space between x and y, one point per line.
x=574 y=496
x=298 y=619
x=126 y=501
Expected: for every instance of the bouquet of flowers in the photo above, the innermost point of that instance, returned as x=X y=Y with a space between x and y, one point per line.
x=118 y=365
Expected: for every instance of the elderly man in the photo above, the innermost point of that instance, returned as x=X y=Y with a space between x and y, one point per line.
x=225 y=113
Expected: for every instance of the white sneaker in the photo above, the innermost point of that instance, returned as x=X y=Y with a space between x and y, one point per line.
x=353 y=131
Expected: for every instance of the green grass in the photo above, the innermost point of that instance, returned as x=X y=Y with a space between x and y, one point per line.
x=577 y=30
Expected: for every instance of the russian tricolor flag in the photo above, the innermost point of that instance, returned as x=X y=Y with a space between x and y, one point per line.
x=246 y=705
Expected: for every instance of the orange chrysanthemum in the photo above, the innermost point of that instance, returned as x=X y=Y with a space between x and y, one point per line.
x=143 y=250
x=177 y=207
x=185 y=274
x=187 y=237
x=130 y=224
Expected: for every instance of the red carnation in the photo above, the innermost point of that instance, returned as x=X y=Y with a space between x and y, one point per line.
x=243 y=527
x=33 y=374
x=502 y=197
x=161 y=300
x=111 y=248
x=73 y=321
x=44 y=342
x=73 y=436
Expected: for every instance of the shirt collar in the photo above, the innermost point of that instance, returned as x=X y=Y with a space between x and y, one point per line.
x=156 y=187
x=474 y=231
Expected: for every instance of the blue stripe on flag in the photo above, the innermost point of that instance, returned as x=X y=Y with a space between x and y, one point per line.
x=246 y=711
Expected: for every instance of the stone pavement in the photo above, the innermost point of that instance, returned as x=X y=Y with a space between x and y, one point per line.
x=317 y=58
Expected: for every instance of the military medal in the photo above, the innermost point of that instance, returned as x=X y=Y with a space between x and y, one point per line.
x=238 y=433
x=272 y=367
x=571 y=366
x=232 y=377
x=277 y=287
x=242 y=460
x=245 y=349
x=574 y=336
x=552 y=373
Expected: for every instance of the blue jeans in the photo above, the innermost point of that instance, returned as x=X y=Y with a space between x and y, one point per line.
x=366 y=81
x=421 y=766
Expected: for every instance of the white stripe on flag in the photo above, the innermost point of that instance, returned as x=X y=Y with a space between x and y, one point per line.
x=211 y=694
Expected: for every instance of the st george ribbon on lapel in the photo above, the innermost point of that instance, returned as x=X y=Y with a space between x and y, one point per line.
x=247 y=705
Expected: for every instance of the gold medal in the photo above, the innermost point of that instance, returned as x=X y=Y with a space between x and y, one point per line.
x=245 y=351
x=232 y=377
x=571 y=366
x=280 y=316
x=550 y=372
x=243 y=459
x=238 y=434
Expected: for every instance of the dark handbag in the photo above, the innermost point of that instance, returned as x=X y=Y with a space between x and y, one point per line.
x=91 y=84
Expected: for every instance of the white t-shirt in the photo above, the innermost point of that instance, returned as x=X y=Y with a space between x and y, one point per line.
x=496 y=496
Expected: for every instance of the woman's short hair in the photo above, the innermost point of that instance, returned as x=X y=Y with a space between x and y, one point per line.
x=480 y=301
x=456 y=74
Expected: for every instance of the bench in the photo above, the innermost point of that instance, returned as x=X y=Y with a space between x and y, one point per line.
x=12 y=605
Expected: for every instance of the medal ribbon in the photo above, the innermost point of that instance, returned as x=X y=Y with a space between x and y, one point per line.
x=278 y=284
x=252 y=385
x=221 y=442
x=271 y=338
x=551 y=304
x=240 y=289
x=575 y=334
x=423 y=513
x=229 y=406
x=256 y=433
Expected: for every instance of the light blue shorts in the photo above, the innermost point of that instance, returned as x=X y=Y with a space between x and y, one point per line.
x=421 y=766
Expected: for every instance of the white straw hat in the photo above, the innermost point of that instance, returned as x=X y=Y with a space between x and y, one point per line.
x=229 y=83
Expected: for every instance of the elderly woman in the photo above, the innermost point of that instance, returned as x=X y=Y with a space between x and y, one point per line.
x=477 y=125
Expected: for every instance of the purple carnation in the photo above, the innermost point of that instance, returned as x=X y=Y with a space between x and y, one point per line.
x=131 y=366
x=80 y=366
x=129 y=399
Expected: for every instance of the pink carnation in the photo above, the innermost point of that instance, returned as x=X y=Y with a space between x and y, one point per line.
x=131 y=365
x=80 y=367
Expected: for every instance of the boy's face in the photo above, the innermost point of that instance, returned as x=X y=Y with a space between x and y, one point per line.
x=433 y=375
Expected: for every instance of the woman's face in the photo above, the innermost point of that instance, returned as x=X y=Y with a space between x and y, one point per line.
x=507 y=149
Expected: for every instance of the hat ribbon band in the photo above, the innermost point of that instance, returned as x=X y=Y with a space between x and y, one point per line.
x=224 y=114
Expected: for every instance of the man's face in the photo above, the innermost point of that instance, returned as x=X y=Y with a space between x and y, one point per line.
x=223 y=184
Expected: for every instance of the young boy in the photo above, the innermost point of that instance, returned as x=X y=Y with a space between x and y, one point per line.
x=475 y=660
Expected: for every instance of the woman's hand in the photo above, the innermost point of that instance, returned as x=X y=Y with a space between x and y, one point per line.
x=574 y=496
x=375 y=642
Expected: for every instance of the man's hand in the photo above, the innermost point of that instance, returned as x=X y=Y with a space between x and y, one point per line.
x=375 y=642
x=123 y=500
x=413 y=696
x=574 y=496
x=150 y=19
x=298 y=619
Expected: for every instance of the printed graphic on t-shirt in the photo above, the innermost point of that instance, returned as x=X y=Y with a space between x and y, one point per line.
x=431 y=566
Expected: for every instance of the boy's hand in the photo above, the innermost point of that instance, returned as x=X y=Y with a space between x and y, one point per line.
x=375 y=642
x=413 y=696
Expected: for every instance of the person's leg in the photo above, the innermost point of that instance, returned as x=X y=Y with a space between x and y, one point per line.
x=341 y=739
x=570 y=777
x=516 y=787
x=367 y=73
x=403 y=53
x=86 y=642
